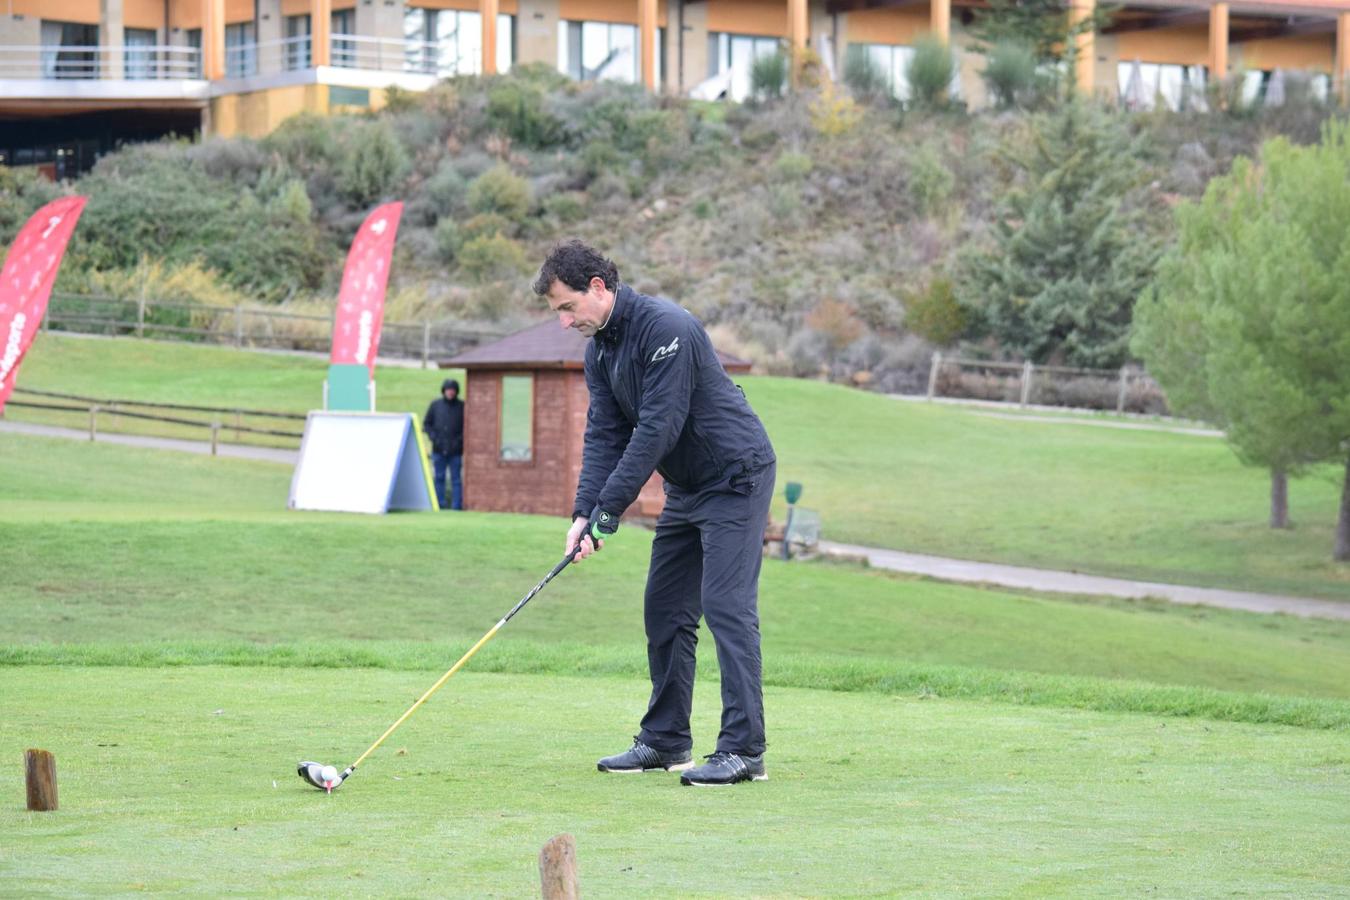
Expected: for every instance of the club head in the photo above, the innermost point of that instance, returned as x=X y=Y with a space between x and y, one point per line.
x=312 y=773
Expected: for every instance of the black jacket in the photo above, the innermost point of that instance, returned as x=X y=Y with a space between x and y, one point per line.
x=444 y=425
x=661 y=401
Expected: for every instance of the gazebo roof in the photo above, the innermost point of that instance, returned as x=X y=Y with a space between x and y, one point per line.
x=546 y=346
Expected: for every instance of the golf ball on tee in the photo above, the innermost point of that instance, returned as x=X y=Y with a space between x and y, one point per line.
x=328 y=773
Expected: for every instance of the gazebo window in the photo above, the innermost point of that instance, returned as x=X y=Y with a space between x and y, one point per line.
x=517 y=418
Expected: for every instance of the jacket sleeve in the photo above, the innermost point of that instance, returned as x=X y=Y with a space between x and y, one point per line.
x=426 y=420
x=668 y=350
x=607 y=434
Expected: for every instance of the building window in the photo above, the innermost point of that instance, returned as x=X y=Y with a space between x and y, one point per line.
x=594 y=51
x=241 y=50
x=1145 y=85
x=342 y=25
x=138 y=60
x=194 y=42
x=449 y=42
x=69 y=50
x=1256 y=85
x=737 y=53
x=296 y=52
x=517 y=418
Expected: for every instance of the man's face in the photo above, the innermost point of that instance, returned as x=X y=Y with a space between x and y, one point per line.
x=584 y=310
x=450 y=393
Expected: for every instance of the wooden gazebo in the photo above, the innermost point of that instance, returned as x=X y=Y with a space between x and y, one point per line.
x=524 y=421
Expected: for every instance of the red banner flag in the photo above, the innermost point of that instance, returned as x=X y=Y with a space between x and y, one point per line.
x=26 y=282
x=360 y=309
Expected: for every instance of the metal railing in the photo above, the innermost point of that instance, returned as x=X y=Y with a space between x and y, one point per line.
x=153 y=62
x=251 y=326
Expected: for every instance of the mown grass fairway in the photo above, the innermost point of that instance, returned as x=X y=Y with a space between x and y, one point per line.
x=182 y=781
x=949 y=481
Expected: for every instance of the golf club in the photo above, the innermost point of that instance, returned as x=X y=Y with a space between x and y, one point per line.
x=326 y=778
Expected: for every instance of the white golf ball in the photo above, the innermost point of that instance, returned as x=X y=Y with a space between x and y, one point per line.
x=328 y=773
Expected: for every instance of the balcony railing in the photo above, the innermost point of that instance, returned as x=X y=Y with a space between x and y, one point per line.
x=79 y=62
x=157 y=63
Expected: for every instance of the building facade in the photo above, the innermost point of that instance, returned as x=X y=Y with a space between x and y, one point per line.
x=78 y=77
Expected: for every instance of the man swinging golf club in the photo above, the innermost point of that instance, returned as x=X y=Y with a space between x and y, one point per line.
x=661 y=401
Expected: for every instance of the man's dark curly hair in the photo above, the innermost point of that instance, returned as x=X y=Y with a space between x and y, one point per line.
x=575 y=264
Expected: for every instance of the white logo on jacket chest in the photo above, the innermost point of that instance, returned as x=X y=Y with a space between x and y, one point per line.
x=666 y=351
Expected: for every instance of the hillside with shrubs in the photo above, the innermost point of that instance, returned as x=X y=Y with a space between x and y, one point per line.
x=827 y=231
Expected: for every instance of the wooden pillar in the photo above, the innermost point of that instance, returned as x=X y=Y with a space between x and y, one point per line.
x=1342 y=57
x=40 y=778
x=1085 y=46
x=213 y=39
x=798 y=33
x=940 y=20
x=647 y=42
x=487 y=9
x=320 y=32
x=1218 y=42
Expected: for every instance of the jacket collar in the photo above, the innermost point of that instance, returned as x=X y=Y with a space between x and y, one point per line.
x=623 y=299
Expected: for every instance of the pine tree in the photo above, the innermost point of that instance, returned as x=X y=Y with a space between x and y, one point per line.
x=1072 y=249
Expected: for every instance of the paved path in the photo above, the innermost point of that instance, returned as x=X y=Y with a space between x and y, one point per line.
x=237 y=451
x=1047 y=580
x=1052 y=581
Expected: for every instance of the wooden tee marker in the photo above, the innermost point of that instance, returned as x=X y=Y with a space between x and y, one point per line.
x=40 y=775
x=558 y=868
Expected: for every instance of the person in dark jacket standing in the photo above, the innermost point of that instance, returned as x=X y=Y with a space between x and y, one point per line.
x=444 y=426
x=661 y=401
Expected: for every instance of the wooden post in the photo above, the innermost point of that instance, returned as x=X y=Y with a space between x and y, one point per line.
x=40 y=776
x=1084 y=46
x=93 y=422
x=1124 y=387
x=140 y=313
x=239 y=324
x=1026 y=382
x=1218 y=42
x=215 y=437
x=487 y=12
x=933 y=373
x=647 y=43
x=940 y=20
x=1342 y=57
x=426 y=342
x=558 y=868
x=238 y=421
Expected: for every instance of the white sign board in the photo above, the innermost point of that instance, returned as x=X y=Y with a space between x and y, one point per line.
x=361 y=462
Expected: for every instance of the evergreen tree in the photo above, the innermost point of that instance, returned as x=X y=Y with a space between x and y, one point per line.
x=1251 y=311
x=1072 y=249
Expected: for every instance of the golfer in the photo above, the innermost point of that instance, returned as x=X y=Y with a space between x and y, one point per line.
x=660 y=401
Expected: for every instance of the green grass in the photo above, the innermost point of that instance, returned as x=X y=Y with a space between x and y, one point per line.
x=182 y=781
x=926 y=478
x=147 y=547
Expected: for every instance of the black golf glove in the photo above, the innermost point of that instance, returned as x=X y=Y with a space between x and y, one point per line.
x=601 y=525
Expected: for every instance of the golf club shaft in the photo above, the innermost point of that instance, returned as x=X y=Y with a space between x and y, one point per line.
x=467 y=656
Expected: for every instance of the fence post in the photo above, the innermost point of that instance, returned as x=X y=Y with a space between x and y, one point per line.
x=93 y=422
x=238 y=422
x=239 y=324
x=933 y=373
x=1124 y=386
x=47 y=316
x=1026 y=382
x=215 y=437
x=140 y=312
x=426 y=342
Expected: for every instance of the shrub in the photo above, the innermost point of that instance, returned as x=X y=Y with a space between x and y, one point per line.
x=930 y=72
x=500 y=191
x=485 y=225
x=22 y=193
x=306 y=141
x=374 y=162
x=492 y=258
x=1010 y=73
x=935 y=315
x=566 y=207
x=516 y=108
x=863 y=76
x=446 y=189
x=930 y=181
x=769 y=76
x=448 y=240
x=791 y=166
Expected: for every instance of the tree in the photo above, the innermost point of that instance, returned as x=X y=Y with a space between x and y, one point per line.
x=1042 y=26
x=1071 y=247
x=1250 y=315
